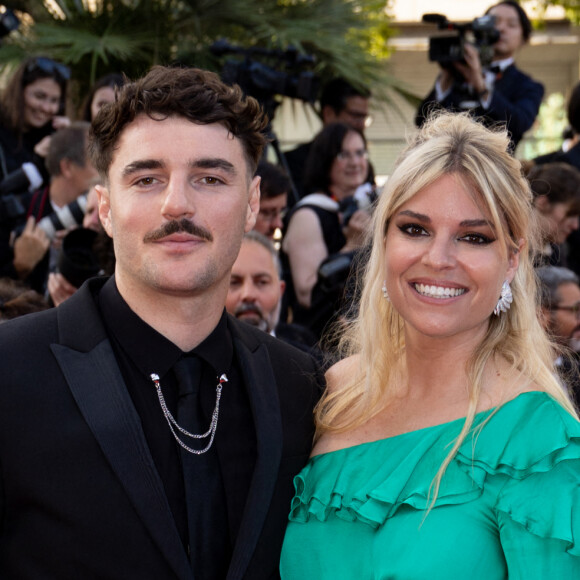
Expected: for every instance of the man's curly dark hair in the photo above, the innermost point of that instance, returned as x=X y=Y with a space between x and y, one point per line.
x=194 y=94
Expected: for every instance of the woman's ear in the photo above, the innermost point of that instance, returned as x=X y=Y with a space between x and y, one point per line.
x=514 y=260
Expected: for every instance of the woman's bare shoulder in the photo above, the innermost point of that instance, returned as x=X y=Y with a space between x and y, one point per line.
x=336 y=376
x=341 y=372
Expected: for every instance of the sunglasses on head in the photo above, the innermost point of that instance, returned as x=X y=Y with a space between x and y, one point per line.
x=49 y=66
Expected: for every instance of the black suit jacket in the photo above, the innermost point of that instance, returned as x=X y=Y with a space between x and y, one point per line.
x=79 y=494
x=515 y=103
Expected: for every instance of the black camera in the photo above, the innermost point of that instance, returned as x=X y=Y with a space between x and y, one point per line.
x=8 y=22
x=13 y=187
x=448 y=48
x=286 y=77
x=364 y=198
x=78 y=261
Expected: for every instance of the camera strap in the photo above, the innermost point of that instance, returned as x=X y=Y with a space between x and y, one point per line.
x=38 y=203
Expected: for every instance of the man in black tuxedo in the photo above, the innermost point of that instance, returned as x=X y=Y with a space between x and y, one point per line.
x=500 y=94
x=144 y=433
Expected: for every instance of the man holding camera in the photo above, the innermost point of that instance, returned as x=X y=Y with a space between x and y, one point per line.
x=71 y=173
x=499 y=93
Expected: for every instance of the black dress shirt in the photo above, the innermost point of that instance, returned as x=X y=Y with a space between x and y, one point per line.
x=141 y=351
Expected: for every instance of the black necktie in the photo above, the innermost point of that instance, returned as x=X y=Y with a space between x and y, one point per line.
x=200 y=472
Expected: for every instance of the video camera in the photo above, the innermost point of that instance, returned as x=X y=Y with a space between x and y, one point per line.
x=447 y=49
x=286 y=78
x=8 y=22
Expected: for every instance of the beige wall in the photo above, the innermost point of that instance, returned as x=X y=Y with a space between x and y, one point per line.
x=553 y=58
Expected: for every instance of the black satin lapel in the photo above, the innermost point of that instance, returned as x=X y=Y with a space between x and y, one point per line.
x=96 y=384
x=257 y=374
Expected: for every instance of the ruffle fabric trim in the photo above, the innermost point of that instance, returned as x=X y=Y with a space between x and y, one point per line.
x=531 y=442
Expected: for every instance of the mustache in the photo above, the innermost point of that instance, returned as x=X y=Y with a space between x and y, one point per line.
x=175 y=226
x=249 y=307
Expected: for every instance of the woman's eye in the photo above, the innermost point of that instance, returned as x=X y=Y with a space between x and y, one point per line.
x=413 y=230
x=477 y=239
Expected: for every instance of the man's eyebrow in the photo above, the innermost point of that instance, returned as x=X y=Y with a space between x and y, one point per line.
x=140 y=165
x=213 y=163
x=203 y=163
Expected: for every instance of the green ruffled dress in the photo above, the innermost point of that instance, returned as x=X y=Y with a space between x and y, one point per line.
x=508 y=505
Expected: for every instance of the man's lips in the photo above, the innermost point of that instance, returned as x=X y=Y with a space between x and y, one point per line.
x=250 y=314
x=180 y=238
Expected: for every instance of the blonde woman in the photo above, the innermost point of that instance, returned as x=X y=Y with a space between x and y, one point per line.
x=446 y=447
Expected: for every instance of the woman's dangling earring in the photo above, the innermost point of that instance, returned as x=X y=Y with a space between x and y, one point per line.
x=505 y=299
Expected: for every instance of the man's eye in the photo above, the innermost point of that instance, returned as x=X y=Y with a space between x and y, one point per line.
x=209 y=180
x=146 y=181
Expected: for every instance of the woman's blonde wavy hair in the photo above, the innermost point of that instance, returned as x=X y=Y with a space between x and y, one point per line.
x=447 y=144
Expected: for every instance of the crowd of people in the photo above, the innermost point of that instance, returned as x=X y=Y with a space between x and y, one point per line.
x=236 y=372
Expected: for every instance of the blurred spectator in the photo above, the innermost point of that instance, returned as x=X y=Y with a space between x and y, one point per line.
x=256 y=289
x=556 y=190
x=59 y=288
x=91 y=220
x=339 y=102
x=560 y=302
x=274 y=188
x=17 y=299
x=571 y=152
x=325 y=223
x=571 y=155
x=101 y=93
x=31 y=108
x=71 y=173
x=498 y=93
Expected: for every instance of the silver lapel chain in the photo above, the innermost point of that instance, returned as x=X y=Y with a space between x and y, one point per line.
x=173 y=423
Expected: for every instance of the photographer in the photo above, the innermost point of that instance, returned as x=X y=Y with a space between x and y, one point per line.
x=499 y=93
x=71 y=173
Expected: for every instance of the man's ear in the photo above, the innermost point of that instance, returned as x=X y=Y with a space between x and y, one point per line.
x=64 y=166
x=103 y=197
x=253 y=204
x=328 y=115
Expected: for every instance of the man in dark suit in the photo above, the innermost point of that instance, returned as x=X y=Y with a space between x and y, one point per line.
x=499 y=93
x=144 y=433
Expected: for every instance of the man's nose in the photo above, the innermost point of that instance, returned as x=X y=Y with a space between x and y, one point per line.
x=177 y=202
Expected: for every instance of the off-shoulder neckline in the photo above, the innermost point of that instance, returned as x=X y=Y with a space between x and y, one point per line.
x=476 y=421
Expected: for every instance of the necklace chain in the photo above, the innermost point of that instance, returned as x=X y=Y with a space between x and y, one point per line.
x=173 y=423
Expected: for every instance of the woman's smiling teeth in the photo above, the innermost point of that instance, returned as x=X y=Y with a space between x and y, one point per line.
x=438 y=291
